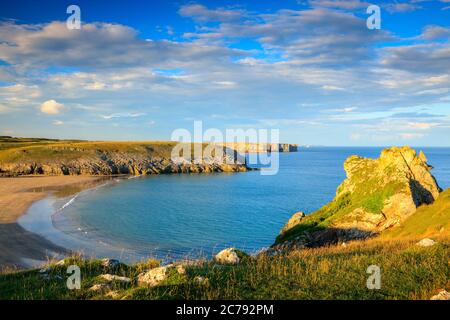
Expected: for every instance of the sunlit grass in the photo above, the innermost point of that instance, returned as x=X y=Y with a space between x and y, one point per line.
x=336 y=272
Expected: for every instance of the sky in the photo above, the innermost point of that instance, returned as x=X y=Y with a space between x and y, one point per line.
x=138 y=70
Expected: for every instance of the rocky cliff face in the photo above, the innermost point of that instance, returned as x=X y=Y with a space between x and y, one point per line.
x=106 y=159
x=246 y=147
x=376 y=195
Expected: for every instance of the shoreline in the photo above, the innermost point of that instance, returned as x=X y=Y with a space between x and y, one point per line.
x=20 y=248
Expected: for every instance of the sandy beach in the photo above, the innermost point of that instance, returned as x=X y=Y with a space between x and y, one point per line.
x=17 y=245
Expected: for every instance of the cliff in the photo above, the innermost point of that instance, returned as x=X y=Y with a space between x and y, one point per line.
x=377 y=194
x=247 y=147
x=106 y=158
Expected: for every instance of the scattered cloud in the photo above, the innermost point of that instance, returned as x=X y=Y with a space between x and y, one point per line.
x=309 y=62
x=410 y=136
x=51 y=107
x=401 y=7
x=332 y=88
x=203 y=14
x=123 y=115
x=434 y=32
x=340 y=4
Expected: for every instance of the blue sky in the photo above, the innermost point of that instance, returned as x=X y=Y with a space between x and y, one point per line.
x=137 y=70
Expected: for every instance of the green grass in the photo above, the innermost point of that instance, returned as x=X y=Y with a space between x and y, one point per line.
x=428 y=220
x=407 y=272
x=29 y=151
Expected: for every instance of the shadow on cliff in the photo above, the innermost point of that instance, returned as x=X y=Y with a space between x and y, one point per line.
x=420 y=194
x=311 y=236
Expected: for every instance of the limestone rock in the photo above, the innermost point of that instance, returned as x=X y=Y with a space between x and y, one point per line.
x=141 y=159
x=376 y=195
x=442 y=295
x=293 y=221
x=227 y=256
x=113 y=294
x=154 y=276
x=112 y=277
x=427 y=242
x=181 y=269
x=110 y=263
x=100 y=287
x=201 y=280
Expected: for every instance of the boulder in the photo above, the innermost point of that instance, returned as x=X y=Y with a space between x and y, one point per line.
x=113 y=294
x=442 y=295
x=154 y=276
x=181 y=269
x=227 y=256
x=100 y=287
x=200 y=280
x=110 y=263
x=112 y=277
x=427 y=242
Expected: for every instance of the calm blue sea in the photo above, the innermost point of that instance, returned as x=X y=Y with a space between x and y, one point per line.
x=172 y=216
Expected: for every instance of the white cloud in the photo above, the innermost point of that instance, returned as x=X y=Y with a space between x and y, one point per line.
x=203 y=14
x=332 y=88
x=340 y=4
x=401 y=7
x=433 y=32
x=123 y=115
x=226 y=84
x=51 y=107
x=422 y=125
x=410 y=136
x=58 y=123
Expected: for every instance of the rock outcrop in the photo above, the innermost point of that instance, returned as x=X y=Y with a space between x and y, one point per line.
x=376 y=195
x=293 y=221
x=427 y=242
x=442 y=295
x=158 y=275
x=227 y=256
x=248 y=147
x=112 y=277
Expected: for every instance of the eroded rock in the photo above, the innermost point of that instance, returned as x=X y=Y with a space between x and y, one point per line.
x=112 y=277
x=427 y=242
x=227 y=256
x=200 y=280
x=293 y=221
x=442 y=295
x=110 y=263
x=376 y=195
x=154 y=276
x=100 y=287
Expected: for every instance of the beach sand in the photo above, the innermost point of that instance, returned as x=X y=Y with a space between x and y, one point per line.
x=18 y=246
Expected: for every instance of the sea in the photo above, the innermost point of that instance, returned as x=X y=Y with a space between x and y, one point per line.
x=184 y=216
